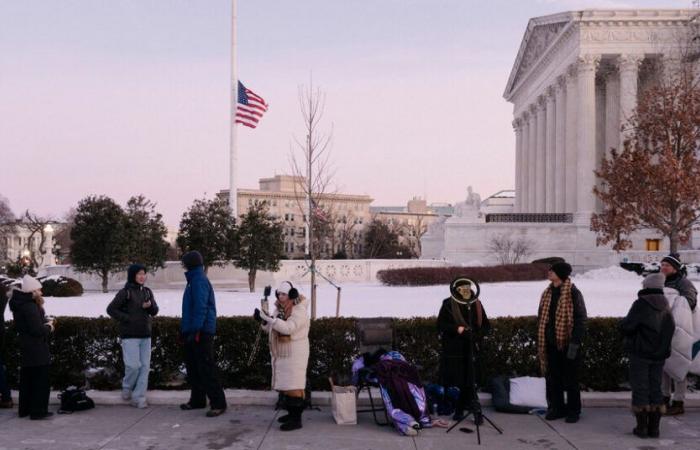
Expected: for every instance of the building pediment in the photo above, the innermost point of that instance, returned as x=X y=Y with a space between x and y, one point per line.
x=540 y=35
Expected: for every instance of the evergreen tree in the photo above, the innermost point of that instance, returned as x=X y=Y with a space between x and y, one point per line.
x=260 y=243
x=147 y=233
x=100 y=238
x=209 y=227
x=381 y=242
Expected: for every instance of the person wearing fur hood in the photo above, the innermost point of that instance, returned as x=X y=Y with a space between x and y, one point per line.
x=288 y=329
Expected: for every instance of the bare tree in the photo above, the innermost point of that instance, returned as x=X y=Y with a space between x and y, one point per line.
x=313 y=170
x=7 y=227
x=35 y=225
x=509 y=250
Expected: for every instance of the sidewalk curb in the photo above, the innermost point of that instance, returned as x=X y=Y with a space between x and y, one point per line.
x=323 y=398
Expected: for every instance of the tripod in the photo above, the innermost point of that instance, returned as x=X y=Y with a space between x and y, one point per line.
x=475 y=407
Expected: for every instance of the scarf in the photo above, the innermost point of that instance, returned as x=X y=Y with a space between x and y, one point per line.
x=459 y=317
x=563 y=321
x=281 y=344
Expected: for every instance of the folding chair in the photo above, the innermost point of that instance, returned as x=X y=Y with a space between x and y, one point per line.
x=373 y=334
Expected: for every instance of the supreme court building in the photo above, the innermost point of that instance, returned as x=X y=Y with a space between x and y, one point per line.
x=575 y=81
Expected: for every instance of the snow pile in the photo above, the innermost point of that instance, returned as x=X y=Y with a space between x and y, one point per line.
x=608 y=273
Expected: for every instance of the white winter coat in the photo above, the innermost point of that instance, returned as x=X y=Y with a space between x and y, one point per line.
x=687 y=335
x=289 y=372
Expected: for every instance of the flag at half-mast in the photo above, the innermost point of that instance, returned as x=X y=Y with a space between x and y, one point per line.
x=250 y=108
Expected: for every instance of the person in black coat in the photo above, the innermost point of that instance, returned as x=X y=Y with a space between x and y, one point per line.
x=33 y=329
x=134 y=307
x=648 y=330
x=5 y=394
x=461 y=322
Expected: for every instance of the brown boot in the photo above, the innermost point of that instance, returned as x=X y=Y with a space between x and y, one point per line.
x=676 y=409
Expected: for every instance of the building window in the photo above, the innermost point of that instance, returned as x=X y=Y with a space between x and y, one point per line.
x=653 y=245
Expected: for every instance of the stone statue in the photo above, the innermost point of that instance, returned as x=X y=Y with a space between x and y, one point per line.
x=471 y=206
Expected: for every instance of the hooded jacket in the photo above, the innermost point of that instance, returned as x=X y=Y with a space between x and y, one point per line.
x=32 y=328
x=135 y=321
x=198 y=304
x=648 y=327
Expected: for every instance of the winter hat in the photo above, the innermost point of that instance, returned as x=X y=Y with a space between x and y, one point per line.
x=30 y=284
x=132 y=271
x=287 y=288
x=654 y=281
x=192 y=260
x=674 y=260
x=562 y=270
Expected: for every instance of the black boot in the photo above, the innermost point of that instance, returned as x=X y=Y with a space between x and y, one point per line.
x=654 y=421
x=642 y=416
x=283 y=406
x=295 y=408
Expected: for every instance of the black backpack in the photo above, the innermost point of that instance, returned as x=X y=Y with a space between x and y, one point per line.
x=74 y=399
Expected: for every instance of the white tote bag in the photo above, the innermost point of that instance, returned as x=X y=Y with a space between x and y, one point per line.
x=344 y=404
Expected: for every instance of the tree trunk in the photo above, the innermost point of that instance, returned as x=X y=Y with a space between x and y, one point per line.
x=105 y=280
x=674 y=235
x=251 y=280
x=313 y=286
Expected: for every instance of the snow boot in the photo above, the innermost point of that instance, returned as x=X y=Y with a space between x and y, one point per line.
x=642 y=416
x=654 y=421
x=295 y=406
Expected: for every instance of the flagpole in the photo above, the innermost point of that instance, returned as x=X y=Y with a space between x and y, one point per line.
x=233 y=181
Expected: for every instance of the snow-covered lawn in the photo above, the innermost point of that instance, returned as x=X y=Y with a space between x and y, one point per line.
x=608 y=292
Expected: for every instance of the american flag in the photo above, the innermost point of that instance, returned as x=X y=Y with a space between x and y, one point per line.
x=250 y=107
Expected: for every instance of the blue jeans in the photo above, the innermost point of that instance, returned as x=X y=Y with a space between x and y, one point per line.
x=137 y=364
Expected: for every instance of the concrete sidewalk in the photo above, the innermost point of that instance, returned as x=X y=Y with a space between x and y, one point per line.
x=255 y=427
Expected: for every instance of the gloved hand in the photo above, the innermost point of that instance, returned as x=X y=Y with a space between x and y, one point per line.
x=192 y=337
x=258 y=317
x=572 y=351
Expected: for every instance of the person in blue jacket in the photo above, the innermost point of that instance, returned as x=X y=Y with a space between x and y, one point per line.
x=198 y=327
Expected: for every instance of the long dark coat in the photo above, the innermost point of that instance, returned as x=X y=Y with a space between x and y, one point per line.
x=30 y=323
x=457 y=348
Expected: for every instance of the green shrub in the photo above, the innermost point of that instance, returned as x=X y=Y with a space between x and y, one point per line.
x=426 y=276
x=511 y=349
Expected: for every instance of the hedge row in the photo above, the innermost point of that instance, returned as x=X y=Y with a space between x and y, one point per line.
x=425 y=276
x=81 y=343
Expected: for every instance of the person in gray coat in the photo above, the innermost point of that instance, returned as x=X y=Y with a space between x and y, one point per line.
x=134 y=307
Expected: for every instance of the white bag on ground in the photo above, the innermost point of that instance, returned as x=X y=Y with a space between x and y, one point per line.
x=528 y=391
x=344 y=404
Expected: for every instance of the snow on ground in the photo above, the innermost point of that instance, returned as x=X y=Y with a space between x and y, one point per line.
x=607 y=292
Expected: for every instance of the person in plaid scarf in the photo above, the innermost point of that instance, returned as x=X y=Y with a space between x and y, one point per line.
x=561 y=325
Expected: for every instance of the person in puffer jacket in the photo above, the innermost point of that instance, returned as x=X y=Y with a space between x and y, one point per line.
x=648 y=329
x=674 y=270
x=134 y=307
x=198 y=328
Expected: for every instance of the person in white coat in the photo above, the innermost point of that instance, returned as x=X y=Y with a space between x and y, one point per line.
x=674 y=271
x=288 y=329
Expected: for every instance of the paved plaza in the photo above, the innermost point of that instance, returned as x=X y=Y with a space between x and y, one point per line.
x=255 y=427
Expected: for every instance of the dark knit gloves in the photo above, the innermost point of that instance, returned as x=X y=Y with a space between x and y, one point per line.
x=258 y=317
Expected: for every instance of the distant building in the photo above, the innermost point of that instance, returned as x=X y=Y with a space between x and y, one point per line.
x=410 y=222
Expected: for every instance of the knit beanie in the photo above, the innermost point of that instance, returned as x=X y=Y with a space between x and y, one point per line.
x=562 y=270
x=30 y=284
x=132 y=271
x=654 y=281
x=192 y=260
x=673 y=260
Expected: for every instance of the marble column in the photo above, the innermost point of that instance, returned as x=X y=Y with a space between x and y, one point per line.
x=540 y=159
x=570 y=135
x=550 y=152
x=524 y=164
x=517 y=124
x=586 y=135
x=629 y=76
x=560 y=146
x=532 y=160
x=612 y=111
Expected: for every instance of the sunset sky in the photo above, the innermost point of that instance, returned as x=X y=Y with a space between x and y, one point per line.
x=132 y=96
